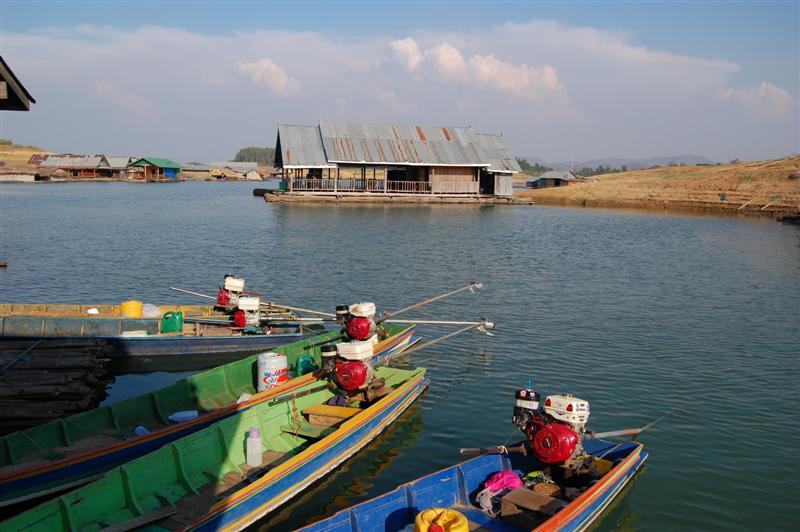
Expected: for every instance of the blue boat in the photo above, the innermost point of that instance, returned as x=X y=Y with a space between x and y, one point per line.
x=456 y=487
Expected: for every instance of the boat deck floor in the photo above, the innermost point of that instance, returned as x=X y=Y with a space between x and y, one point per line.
x=79 y=447
x=326 y=419
x=189 y=508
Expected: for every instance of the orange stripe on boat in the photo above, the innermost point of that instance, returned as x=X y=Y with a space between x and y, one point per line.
x=568 y=513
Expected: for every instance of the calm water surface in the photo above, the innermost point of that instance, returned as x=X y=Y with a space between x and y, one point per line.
x=637 y=313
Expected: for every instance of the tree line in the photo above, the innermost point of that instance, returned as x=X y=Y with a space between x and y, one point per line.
x=264 y=156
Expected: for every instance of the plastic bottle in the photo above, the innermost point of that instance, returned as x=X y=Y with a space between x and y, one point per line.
x=183 y=415
x=254 y=450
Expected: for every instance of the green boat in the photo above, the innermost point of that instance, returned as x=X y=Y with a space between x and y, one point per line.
x=59 y=455
x=203 y=481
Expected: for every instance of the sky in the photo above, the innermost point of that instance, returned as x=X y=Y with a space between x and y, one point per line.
x=196 y=81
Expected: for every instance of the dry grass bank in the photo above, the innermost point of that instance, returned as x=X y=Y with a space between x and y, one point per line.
x=759 y=188
x=15 y=157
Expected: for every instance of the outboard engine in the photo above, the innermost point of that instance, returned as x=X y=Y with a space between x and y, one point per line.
x=354 y=370
x=230 y=291
x=360 y=322
x=554 y=431
x=248 y=312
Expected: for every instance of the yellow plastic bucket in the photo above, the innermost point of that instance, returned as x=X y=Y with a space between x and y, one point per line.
x=445 y=519
x=131 y=309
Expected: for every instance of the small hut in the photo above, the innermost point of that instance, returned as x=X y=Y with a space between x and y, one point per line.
x=156 y=169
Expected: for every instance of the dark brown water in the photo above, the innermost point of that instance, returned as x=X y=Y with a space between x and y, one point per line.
x=638 y=313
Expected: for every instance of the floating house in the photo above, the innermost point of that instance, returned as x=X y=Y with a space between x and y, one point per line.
x=81 y=166
x=119 y=166
x=553 y=178
x=342 y=159
x=155 y=169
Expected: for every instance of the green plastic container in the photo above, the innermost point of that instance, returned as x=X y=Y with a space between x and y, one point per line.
x=172 y=322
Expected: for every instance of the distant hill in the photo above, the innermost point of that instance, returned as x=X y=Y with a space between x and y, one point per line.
x=631 y=163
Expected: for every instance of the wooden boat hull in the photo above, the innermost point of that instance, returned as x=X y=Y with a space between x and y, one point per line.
x=168 y=489
x=455 y=486
x=22 y=483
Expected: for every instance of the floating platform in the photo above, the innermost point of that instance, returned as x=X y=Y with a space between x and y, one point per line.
x=361 y=197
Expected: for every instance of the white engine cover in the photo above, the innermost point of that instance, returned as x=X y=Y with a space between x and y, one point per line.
x=249 y=304
x=363 y=310
x=234 y=284
x=568 y=409
x=355 y=350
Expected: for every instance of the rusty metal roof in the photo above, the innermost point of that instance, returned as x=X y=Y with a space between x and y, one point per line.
x=391 y=144
x=300 y=147
x=91 y=161
x=499 y=156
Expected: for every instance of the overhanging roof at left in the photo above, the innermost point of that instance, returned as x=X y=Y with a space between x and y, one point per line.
x=13 y=94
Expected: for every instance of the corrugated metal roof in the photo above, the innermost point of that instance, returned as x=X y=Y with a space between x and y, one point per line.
x=399 y=144
x=301 y=147
x=118 y=163
x=93 y=161
x=500 y=157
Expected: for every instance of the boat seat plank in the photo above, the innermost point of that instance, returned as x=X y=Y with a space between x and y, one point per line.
x=329 y=414
x=530 y=500
x=307 y=430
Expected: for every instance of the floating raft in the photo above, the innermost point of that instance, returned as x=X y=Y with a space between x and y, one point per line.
x=47 y=379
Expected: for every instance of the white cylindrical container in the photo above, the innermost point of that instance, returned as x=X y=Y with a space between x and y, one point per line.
x=273 y=370
x=254 y=449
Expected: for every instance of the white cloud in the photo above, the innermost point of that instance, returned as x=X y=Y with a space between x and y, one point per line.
x=273 y=77
x=765 y=99
x=126 y=101
x=407 y=51
x=448 y=61
x=521 y=80
x=449 y=64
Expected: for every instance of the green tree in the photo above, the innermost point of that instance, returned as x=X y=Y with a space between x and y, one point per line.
x=532 y=169
x=254 y=154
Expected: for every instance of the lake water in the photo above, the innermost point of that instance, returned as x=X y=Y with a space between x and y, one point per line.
x=638 y=313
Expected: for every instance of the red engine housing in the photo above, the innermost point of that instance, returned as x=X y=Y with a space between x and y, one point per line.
x=552 y=443
x=239 y=318
x=223 y=297
x=351 y=374
x=359 y=328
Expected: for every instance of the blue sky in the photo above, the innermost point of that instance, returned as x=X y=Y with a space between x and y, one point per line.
x=713 y=78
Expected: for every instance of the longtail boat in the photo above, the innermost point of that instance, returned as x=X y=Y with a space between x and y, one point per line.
x=203 y=481
x=454 y=488
x=561 y=477
x=60 y=454
x=206 y=339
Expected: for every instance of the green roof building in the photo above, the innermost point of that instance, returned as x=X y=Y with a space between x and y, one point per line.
x=156 y=168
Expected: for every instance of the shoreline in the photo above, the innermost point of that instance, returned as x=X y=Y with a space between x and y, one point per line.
x=685 y=206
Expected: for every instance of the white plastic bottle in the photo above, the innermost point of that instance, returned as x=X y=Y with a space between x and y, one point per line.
x=254 y=449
